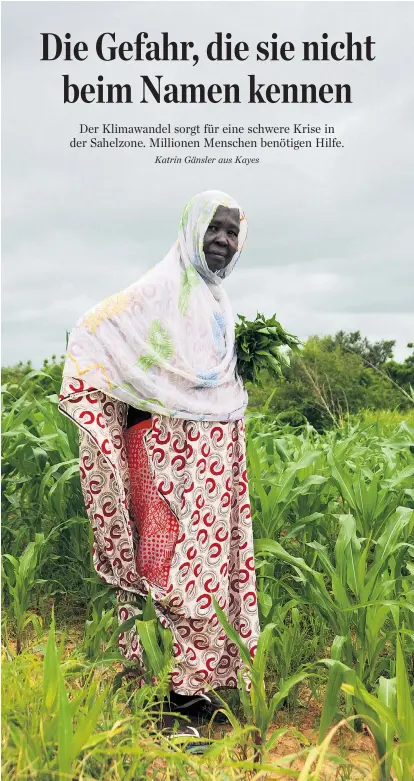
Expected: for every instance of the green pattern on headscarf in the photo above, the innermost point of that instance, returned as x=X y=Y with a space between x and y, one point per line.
x=161 y=346
x=142 y=404
x=189 y=279
x=185 y=214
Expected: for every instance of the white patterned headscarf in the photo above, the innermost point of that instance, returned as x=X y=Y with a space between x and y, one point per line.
x=166 y=343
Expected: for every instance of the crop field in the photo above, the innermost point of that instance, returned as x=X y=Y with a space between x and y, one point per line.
x=332 y=681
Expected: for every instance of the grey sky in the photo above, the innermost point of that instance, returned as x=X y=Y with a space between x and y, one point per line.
x=330 y=231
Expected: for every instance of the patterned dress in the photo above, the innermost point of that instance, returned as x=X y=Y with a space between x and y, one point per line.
x=169 y=505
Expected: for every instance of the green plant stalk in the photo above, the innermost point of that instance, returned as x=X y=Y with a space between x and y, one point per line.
x=258 y=708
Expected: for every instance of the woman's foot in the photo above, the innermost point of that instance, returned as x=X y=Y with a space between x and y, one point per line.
x=174 y=727
x=198 y=707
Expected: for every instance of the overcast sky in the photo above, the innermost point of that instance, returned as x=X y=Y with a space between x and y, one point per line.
x=330 y=231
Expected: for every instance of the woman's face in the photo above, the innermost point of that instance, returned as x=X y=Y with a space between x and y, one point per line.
x=221 y=238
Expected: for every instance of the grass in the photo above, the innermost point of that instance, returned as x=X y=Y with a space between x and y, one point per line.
x=125 y=742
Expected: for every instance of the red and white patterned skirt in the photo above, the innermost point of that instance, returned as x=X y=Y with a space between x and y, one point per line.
x=190 y=503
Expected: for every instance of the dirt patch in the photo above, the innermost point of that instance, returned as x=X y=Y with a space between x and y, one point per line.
x=350 y=756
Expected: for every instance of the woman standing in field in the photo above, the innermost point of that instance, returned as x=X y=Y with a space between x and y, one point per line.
x=150 y=379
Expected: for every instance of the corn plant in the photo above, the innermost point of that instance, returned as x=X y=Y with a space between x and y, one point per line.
x=295 y=639
x=41 y=489
x=100 y=626
x=388 y=713
x=278 y=479
x=71 y=722
x=20 y=576
x=40 y=450
x=372 y=496
x=259 y=710
x=157 y=644
x=361 y=579
x=48 y=737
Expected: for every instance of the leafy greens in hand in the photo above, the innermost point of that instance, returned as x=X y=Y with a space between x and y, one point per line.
x=259 y=346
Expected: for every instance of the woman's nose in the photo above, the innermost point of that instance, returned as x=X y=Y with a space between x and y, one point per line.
x=221 y=237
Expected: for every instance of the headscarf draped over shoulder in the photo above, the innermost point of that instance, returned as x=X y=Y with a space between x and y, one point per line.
x=166 y=343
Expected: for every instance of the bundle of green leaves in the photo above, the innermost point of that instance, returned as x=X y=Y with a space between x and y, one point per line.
x=259 y=345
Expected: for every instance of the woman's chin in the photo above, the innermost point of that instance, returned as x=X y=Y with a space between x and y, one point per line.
x=216 y=264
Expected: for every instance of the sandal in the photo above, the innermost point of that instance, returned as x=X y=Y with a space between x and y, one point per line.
x=199 y=707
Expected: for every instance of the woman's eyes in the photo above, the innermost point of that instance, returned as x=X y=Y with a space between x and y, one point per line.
x=214 y=228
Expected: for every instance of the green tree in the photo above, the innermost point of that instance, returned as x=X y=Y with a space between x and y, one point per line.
x=372 y=354
x=402 y=373
x=327 y=380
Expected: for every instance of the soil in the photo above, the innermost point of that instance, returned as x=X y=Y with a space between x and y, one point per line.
x=355 y=751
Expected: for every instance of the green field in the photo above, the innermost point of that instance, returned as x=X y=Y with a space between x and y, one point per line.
x=333 y=522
